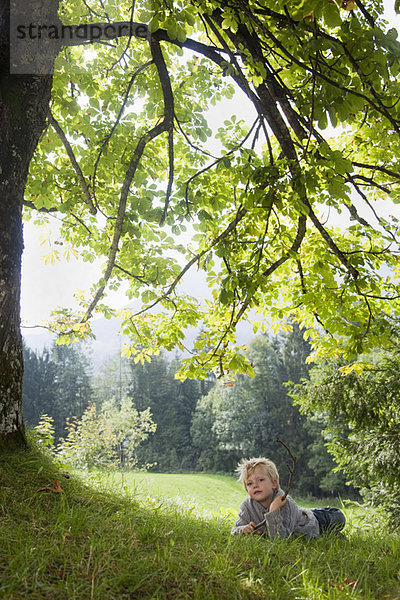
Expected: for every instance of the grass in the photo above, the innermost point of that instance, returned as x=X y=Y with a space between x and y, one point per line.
x=216 y=494
x=213 y=494
x=102 y=539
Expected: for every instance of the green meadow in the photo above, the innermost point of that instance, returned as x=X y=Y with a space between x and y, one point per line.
x=156 y=536
x=215 y=494
x=211 y=494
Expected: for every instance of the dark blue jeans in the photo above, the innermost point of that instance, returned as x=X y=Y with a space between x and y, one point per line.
x=329 y=519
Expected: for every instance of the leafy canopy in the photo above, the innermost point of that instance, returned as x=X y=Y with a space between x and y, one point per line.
x=283 y=219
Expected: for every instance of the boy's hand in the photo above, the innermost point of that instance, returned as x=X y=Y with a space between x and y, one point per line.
x=249 y=528
x=278 y=502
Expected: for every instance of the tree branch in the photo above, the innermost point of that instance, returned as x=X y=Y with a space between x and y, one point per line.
x=335 y=249
x=165 y=125
x=30 y=204
x=366 y=14
x=292 y=469
x=301 y=230
x=74 y=162
x=85 y=33
x=389 y=172
x=321 y=75
x=218 y=160
x=119 y=116
x=232 y=225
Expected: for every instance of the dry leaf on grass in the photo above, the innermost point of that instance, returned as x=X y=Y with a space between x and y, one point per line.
x=346 y=583
x=56 y=487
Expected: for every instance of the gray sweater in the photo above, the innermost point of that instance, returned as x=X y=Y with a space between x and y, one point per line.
x=286 y=521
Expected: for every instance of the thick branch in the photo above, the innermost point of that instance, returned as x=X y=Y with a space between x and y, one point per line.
x=366 y=14
x=210 y=53
x=117 y=120
x=278 y=44
x=74 y=162
x=267 y=101
x=30 y=204
x=165 y=125
x=355 y=216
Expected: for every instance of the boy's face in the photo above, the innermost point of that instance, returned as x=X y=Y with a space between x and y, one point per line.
x=260 y=487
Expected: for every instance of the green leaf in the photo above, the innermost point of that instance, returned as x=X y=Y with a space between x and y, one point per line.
x=332 y=14
x=172 y=28
x=154 y=24
x=323 y=120
x=332 y=116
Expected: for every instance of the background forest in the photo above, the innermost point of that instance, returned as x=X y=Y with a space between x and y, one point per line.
x=200 y=425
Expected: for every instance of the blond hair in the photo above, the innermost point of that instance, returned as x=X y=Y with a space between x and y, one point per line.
x=247 y=466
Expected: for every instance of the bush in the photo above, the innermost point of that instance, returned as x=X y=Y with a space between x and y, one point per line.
x=105 y=438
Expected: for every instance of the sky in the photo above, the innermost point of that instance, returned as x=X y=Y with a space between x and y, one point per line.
x=46 y=286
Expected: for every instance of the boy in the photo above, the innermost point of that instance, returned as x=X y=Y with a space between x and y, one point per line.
x=280 y=516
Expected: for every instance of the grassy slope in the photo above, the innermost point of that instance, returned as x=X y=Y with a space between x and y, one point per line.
x=88 y=543
x=213 y=493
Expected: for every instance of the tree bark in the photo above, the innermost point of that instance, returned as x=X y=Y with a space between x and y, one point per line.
x=24 y=102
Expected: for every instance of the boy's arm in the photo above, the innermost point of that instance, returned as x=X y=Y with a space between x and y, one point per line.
x=245 y=523
x=242 y=522
x=277 y=503
x=279 y=518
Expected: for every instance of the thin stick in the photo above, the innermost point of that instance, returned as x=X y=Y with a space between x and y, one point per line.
x=292 y=469
x=259 y=525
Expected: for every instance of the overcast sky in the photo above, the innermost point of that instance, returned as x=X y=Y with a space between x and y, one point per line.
x=44 y=287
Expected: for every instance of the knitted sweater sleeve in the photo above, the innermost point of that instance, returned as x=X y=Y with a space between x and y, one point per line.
x=244 y=518
x=280 y=521
x=291 y=519
x=250 y=510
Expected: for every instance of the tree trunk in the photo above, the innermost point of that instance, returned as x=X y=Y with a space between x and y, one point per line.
x=24 y=102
